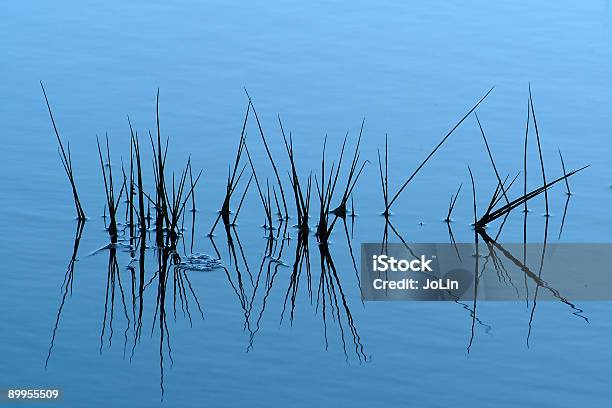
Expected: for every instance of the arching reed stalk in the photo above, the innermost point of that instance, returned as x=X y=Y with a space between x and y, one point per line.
x=429 y=156
x=272 y=162
x=66 y=160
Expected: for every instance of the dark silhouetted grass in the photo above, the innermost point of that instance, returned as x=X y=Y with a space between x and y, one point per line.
x=272 y=162
x=444 y=139
x=112 y=203
x=301 y=195
x=66 y=160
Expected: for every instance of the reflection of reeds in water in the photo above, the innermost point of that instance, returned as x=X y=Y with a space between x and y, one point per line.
x=113 y=281
x=66 y=284
x=173 y=292
x=301 y=261
x=331 y=299
x=476 y=257
x=182 y=290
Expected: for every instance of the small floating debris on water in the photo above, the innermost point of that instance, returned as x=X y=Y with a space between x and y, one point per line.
x=118 y=245
x=199 y=262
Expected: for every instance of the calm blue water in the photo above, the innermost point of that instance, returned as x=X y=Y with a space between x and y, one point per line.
x=411 y=70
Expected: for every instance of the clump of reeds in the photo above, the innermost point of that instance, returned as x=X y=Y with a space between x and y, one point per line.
x=140 y=211
x=501 y=187
x=177 y=206
x=301 y=195
x=112 y=203
x=66 y=160
x=285 y=213
x=159 y=164
x=327 y=187
x=266 y=199
x=493 y=212
x=233 y=178
x=130 y=189
x=325 y=196
x=353 y=176
x=492 y=215
x=169 y=205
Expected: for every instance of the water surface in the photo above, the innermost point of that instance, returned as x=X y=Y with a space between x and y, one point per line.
x=411 y=70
